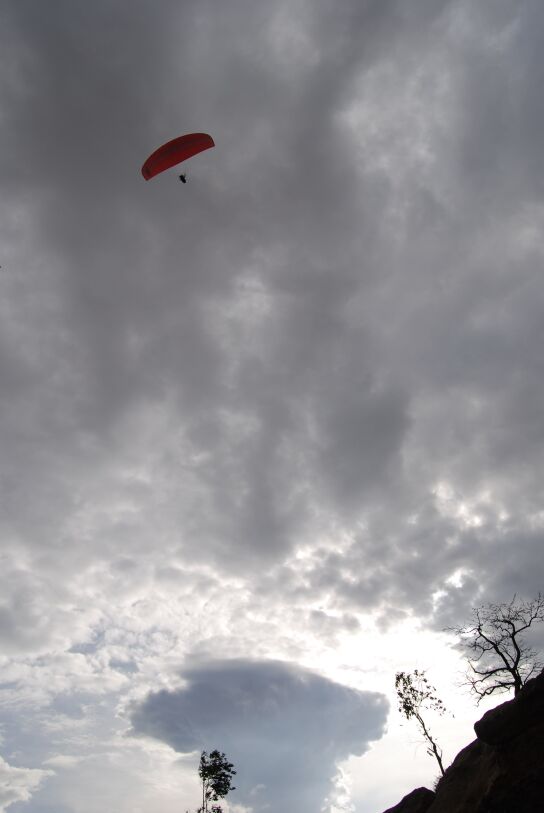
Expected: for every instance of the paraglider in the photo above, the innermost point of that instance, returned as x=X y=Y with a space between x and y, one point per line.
x=174 y=152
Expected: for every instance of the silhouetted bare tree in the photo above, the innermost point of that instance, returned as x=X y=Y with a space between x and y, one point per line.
x=499 y=658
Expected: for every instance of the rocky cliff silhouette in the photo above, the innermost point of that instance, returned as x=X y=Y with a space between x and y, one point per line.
x=501 y=771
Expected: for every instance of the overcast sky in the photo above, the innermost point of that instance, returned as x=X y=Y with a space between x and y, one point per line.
x=263 y=435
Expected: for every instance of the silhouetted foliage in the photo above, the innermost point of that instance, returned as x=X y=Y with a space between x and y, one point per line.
x=216 y=774
x=499 y=658
x=415 y=693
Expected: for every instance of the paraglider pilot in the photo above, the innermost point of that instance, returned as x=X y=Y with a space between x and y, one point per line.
x=183 y=178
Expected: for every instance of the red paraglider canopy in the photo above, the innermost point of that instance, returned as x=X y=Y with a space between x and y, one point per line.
x=176 y=151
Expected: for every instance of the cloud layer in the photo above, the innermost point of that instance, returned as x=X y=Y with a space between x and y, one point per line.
x=295 y=400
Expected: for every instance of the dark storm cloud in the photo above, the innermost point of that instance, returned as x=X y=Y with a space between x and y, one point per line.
x=341 y=312
x=284 y=728
x=141 y=277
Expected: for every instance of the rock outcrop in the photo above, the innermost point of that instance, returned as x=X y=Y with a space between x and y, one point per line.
x=418 y=801
x=502 y=771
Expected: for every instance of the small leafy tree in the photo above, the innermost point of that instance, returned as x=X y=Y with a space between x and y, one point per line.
x=216 y=774
x=414 y=692
x=499 y=658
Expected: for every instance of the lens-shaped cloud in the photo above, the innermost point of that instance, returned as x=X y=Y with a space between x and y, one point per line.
x=285 y=728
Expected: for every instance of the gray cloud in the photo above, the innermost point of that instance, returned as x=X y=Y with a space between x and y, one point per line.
x=342 y=313
x=285 y=728
x=305 y=386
